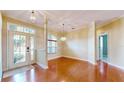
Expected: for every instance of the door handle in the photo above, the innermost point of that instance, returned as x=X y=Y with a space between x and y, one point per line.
x=28 y=49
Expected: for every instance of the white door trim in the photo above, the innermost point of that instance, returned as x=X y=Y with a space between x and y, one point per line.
x=108 y=58
x=28 y=60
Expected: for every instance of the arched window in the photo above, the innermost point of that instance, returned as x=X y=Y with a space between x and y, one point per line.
x=52 y=44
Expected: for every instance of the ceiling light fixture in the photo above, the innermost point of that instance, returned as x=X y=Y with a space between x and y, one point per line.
x=63 y=38
x=32 y=17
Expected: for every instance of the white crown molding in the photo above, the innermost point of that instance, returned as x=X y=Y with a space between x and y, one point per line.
x=109 y=22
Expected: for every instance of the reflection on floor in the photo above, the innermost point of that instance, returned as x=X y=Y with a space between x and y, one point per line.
x=17 y=70
x=69 y=70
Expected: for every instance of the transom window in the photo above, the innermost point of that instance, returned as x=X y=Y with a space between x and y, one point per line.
x=19 y=28
x=52 y=44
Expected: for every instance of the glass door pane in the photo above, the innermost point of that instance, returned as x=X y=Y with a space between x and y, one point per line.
x=32 y=47
x=105 y=47
x=19 y=48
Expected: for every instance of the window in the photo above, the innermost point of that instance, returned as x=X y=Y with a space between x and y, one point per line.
x=19 y=28
x=52 y=44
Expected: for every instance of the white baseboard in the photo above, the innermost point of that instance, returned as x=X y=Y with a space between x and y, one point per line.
x=71 y=58
x=115 y=65
x=94 y=63
x=43 y=66
x=79 y=59
x=54 y=58
x=74 y=58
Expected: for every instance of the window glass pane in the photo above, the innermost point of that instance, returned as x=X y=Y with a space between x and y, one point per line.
x=48 y=43
x=25 y=30
x=50 y=50
x=51 y=37
x=15 y=27
x=31 y=31
x=53 y=44
x=19 y=48
x=53 y=50
x=12 y=27
x=19 y=28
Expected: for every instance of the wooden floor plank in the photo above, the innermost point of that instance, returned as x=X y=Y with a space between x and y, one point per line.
x=69 y=70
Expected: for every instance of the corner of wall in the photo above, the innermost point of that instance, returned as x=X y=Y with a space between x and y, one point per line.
x=0 y=46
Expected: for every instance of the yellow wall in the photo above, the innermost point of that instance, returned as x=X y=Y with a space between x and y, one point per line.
x=92 y=43
x=76 y=45
x=39 y=36
x=115 y=32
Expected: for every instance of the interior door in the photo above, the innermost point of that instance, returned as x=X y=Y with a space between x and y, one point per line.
x=103 y=47
x=19 y=49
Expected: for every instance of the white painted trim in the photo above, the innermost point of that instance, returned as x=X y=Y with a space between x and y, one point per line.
x=104 y=33
x=115 y=65
x=109 y=22
x=79 y=59
x=74 y=58
x=94 y=63
x=86 y=61
x=54 y=58
x=43 y=66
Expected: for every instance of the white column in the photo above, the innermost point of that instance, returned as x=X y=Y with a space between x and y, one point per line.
x=92 y=43
x=45 y=41
x=0 y=46
x=42 y=53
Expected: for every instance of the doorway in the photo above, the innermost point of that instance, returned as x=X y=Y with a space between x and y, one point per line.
x=103 y=47
x=21 y=49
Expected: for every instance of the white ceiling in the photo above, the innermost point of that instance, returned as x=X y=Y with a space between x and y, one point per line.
x=71 y=18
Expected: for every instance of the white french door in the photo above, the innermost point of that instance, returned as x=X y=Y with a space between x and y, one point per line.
x=21 y=49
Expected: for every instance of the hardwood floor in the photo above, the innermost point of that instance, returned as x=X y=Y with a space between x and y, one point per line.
x=69 y=70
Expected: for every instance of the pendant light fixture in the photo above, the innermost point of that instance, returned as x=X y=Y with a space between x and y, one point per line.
x=63 y=38
x=32 y=17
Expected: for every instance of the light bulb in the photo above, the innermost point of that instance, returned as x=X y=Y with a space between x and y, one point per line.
x=63 y=38
x=33 y=18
